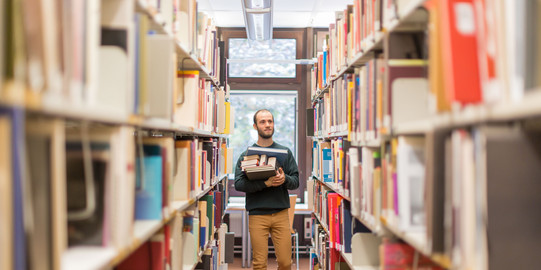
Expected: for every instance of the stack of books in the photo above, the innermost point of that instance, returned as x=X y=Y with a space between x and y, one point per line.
x=259 y=167
x=260 y=163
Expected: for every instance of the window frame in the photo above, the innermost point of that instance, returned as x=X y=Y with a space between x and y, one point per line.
x=228 y=33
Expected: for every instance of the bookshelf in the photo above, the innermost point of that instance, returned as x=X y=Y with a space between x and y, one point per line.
x=448 y=138
x=187 y=60
x=348 y=257
x=111 y=109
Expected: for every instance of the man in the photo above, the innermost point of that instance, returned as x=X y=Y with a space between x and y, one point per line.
x=267 y=201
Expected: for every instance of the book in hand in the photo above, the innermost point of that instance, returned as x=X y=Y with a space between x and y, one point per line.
x=280 y=154
x=263 y=171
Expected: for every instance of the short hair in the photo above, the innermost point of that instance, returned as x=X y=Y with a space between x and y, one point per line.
x=262 y=110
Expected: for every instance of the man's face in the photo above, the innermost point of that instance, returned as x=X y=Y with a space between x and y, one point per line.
x=264 y=124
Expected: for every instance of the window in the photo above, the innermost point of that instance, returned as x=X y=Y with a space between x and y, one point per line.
x=251 y=52
x=256 y=62
x=282 y=104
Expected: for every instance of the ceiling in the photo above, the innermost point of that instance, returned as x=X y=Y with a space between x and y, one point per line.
x=286 y=13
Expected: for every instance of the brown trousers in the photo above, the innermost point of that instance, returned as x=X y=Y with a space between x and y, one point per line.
x=277 y=225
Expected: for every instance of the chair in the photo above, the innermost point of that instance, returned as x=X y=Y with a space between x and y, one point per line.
x=294 y=233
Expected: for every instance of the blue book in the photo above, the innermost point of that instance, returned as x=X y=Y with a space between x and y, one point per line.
x=327 y=165
x=17 y=157
x=148 y=197
x=324 y=67
x=202 y=236
x=280 y=154
x=347 y=228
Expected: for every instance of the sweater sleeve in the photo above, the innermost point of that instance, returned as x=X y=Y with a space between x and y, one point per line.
x=242 y=183
x=292 y=172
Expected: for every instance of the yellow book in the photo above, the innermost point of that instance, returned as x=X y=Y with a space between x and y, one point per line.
x=351 y=88
x=227 y=129
x=6 y=205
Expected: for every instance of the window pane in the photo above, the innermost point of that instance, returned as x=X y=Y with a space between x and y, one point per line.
x=283 y=107
x=277 y=49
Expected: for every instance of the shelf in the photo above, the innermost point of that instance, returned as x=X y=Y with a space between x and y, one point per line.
x=319 y=93
x=324 y=225
x=412 y=128
x=330 y=135
x=206 y=190
x=412 y=19
x=188 y=61
x=369 y=143
x=107 y=257
x=418 y=241
x=333 y=188
x=348 y=257
x=373 y=228
x=528 y=107
x=87 y=258
x=108 y=117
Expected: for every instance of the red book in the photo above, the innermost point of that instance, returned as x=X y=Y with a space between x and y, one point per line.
x=165 y=179
x=401 y=256
x=149 y=255
x=219 y=209
x=332 y=202
x=460 y=52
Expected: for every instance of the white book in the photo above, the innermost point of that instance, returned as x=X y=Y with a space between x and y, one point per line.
x=51 y=54
x=166 y=10
x=181 y=180
x=116 y=57
x=187 y=103
x=411 y=183
x=160 y=75
x=92 y=55
x=365 y=246
x=355 y=181
x=410 y=100
x=176 y=242
x=220 y=103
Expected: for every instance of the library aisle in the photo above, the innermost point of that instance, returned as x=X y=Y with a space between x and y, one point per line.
x=415 y=125
x=304 y=263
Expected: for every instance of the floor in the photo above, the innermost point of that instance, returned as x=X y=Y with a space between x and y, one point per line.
x=304 y=264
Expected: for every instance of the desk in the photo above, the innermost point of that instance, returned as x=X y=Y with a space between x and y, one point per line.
x=238 y=206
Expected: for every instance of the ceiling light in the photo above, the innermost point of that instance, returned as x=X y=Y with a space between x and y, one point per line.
x=258 y=19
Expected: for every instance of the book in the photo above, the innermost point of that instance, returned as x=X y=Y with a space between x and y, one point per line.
x=280 y=154
x=162 y=60
x=262 y=172
x=459 y=46
x=45 y=146
x=184 y=171
x=150 y=255
x=411 y=183
x=6 y=191
x=187 y=98
x=365 y=246
x=148 y=197
x=114 y=92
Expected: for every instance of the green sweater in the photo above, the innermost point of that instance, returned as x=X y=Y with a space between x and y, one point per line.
x=263 y=200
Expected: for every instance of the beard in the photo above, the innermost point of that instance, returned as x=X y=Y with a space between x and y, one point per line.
x=264 y=135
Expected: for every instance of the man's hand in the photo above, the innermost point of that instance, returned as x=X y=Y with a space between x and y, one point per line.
x=277 y=180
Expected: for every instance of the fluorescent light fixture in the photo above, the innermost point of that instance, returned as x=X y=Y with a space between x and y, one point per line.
x=258 y=19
